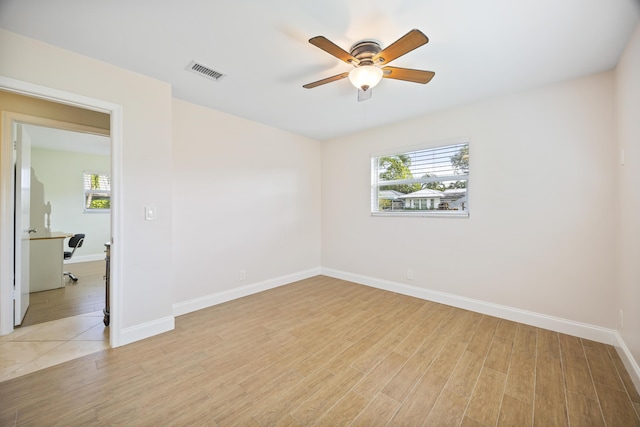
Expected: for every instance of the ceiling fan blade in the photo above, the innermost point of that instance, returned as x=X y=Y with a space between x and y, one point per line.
x=416 y=76
x=405 y=44
x=333 y=49
x=363 y=95
x=325 y=81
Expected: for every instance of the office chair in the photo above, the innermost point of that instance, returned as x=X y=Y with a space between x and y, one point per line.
x=75 y=242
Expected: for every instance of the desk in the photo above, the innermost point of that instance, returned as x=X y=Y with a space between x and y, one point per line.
x=46 y=262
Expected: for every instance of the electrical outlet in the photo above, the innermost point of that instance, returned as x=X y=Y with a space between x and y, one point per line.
x=621 y=319
x=410 y=274
x=243 y=274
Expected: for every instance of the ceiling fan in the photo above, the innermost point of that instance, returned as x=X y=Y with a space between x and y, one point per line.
x=370 y=62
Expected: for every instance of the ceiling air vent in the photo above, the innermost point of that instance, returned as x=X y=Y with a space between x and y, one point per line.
x=205 y=71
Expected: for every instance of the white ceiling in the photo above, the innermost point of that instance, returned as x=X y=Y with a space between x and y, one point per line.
x=65 y=140
x=477 y=49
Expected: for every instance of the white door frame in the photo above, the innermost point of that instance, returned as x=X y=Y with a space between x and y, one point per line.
x=7 y=202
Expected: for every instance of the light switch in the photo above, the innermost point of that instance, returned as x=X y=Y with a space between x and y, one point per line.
x=150 y=213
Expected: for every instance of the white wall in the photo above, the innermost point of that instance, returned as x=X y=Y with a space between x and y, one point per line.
x=61 y=173
x=246 y=197
x=235 y=195
x=146 y=168
x=541 y=231
x=628 y=120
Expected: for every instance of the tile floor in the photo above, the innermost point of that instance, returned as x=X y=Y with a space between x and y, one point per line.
x=39 y=346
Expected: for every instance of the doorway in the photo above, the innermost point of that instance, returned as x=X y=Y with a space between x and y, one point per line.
x=69 y=195
x=64 y=100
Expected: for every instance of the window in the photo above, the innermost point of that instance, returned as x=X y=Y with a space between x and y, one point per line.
x=97 y=192
x=422 y=182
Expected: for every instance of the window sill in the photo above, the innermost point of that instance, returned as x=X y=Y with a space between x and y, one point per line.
x=424 y=214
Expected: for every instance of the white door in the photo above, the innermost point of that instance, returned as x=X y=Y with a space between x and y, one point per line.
x=22 y=223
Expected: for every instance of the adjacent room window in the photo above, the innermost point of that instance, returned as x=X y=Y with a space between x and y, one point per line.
x=97 y=192
x=430 y=181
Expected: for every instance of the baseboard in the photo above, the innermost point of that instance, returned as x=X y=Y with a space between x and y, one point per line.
x=145 y=330
x=629 y=362
x=565 y=326
x=85 y=258
x=195 y=304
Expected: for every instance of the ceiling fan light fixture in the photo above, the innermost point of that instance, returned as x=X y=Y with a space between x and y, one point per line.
x=365 y=77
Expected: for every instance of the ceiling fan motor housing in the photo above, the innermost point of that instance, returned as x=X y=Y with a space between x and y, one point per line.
x=364 y=51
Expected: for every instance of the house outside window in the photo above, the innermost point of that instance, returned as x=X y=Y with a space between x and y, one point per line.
x=97 y=192
x=423 y=181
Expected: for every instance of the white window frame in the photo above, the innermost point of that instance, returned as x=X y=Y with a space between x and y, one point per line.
x=375 y=182
x=86 y=191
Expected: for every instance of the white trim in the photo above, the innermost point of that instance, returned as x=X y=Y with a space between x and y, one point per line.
x=629 y=362
x=116 y=254
x=146 y=330
x=85 y=258
x=421 y=214
x=557 y=324
x=424 y=146
x=196 y=304
x=6 y=223
x=6 y=249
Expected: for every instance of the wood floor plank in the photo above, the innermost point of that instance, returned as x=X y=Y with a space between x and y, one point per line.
x=417 y=336
x=583 y=411
x=506 y=329
x=470 y=422
x=548 y=344
x=264 y=360
x=322 y=357
x=418 y=404
x=464 y=377
x=344 y=360
x=379 y=411
x=624 y=375
x=499 y=354
x=377 y=379
x=448 y=358
x=448 y=410
x=270 y=381
x=484 y=334
x=461 y=325
x=288 y=421
x=550 y=403
x=467 y=328
x=525 y=340
x=577 y=376
x=278 y=408
x=521 y=377
x=403 y=382
x=617 y=409
x=486 y=399
x=344 y=412
x=87 y=295
x=515 y=412
x=570 y=344
x=602 y=368
x=314 y=407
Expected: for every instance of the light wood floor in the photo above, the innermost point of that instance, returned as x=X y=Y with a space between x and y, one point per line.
x=87 y=295
x=328 y=352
